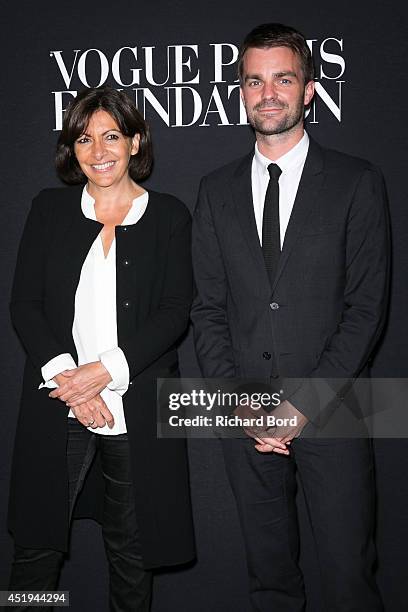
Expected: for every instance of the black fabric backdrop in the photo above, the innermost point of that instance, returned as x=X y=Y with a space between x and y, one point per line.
x=373 y=92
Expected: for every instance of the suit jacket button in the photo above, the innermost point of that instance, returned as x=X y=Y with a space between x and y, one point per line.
x=266 y=355
x=126 y=304
x=274 y=306
x=126 y=263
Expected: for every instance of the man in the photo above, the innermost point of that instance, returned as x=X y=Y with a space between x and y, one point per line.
x=290 y=248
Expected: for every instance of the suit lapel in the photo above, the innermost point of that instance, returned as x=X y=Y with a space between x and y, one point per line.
x=241 y=186
x=306 y=197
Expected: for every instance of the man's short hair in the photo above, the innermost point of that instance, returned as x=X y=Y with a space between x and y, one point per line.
x=123 y=111
x=278 y=35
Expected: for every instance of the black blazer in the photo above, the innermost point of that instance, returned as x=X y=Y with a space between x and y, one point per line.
x=154 y=293
x=325 y=311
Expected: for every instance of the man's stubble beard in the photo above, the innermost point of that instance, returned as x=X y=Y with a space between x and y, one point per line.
x=287 y=123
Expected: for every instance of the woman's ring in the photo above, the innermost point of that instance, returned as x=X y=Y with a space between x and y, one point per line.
x=91 y=422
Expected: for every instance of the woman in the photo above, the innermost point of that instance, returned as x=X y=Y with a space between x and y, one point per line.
x=101 y=295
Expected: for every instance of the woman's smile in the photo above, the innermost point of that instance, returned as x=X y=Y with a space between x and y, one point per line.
x=106 y=166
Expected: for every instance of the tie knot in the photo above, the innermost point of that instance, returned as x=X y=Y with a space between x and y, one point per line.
x=274 y=171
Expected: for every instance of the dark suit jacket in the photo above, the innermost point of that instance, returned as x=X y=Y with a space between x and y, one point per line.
x=323 y=315
x=154 y=293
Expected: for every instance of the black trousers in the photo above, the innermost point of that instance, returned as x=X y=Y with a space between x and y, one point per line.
x=130 y=585
x=338 y=482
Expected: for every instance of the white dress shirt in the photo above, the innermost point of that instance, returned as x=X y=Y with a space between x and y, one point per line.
x=94 y=330
x=291 y=165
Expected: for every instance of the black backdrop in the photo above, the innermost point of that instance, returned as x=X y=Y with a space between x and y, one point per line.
x=371 y=124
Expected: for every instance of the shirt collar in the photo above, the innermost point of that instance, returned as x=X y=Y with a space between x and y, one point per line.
x=88 y=208
x=292 y=159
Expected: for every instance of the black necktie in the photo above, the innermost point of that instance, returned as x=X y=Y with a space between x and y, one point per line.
x=270 y=223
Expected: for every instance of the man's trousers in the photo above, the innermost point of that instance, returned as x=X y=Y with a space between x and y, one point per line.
x=338 y=482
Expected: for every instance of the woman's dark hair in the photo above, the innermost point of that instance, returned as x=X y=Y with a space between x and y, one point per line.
x=278 y=35
x=77 y=116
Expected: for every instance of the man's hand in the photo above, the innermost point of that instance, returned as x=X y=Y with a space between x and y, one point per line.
x=82 y=384
x=258 y=433
x=283 y=433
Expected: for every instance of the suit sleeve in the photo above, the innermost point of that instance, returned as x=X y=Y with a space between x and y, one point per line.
x=211 y=330
x=367 y=263
x=170 y=320
x=26 y=305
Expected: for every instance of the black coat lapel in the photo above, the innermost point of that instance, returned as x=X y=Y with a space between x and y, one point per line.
x=306 y=196
x=78 y=238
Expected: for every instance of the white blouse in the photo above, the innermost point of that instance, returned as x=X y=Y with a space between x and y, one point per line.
x=94 y=329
